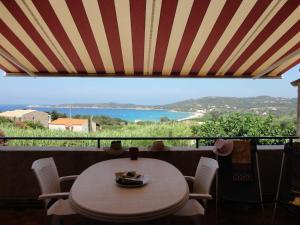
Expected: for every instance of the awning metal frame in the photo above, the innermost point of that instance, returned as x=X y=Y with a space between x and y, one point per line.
x=278 y=63
x=15 y=62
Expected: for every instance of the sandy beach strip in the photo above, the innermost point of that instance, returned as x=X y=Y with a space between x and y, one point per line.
x=193 y=116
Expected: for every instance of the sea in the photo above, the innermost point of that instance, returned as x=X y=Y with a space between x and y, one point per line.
x=125 y=114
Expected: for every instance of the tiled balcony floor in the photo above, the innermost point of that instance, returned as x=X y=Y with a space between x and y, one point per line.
x=228 y=215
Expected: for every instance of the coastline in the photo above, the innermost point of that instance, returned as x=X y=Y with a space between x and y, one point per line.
x=95 y=107
x=189 y=115
x=193 y=116
x=163 y=112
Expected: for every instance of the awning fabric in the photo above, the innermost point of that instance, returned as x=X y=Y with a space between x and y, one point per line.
x=149 y=38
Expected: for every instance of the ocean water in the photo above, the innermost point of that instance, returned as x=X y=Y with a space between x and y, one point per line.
x=125 y=114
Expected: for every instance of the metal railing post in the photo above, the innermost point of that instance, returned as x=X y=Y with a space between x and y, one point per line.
x=197 y=142
x=98 y=142
x=291 y=141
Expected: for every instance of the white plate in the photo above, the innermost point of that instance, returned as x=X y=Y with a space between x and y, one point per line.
x=145 y=181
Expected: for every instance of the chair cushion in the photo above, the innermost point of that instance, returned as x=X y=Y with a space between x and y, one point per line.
x=61 y=208
x=191 y=208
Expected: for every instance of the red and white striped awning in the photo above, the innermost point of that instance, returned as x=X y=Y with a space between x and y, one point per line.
x=149 y=38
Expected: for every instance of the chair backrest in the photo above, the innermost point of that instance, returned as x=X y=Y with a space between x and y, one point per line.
x=206 y=171
x=47 y=175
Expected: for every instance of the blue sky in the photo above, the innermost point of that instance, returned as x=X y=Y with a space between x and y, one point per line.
x=145 y=91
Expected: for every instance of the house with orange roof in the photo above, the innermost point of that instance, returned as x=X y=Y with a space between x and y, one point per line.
x=78 y=125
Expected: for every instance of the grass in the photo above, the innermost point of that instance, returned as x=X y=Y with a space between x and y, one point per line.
x=169 y=129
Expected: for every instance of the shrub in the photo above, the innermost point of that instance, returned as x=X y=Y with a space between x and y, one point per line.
x=34 y=125
x=164 y=119
x=4 y=120
x=20 y=125
x=2 y=142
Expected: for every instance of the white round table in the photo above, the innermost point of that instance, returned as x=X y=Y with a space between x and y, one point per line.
x=96 y=195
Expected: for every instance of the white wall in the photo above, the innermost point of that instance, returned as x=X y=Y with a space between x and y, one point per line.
x=57 y=127
x=81 y=128
x=76 y=128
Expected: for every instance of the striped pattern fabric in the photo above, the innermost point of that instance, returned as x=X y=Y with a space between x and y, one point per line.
x=150 y=38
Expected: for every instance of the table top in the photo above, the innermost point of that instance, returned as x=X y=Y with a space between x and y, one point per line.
x=95 y=193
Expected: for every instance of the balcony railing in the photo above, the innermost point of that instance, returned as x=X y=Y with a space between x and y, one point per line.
x=256 y=139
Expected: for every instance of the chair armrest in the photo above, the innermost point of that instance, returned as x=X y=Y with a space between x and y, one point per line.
x=190 y=179
x=200 y=196
x=67 y=178
x=54 y=195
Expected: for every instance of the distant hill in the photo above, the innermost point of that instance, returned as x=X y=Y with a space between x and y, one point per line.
x=109 y=105
x=259 y=105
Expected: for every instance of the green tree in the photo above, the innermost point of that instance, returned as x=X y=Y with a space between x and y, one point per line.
x=55 y=115
x=164 y=119
x=34 y=125
x=245 y=125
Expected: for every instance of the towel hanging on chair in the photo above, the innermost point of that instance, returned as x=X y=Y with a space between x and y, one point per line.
x=242 y=170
